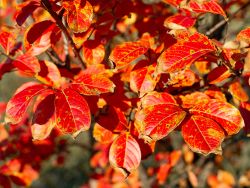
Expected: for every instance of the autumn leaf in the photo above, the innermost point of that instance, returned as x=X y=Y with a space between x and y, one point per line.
x=156 y=122
x=142 y=80
x=193 y=99
x=44 y=118
x=222 y=112
x=238 y=92
x=7 y=41
x=18 y=104
x=205 y=6
x=72 y=112
x=154 y=98
x=125 y=153
x=93 y=53
x=179 y=21
x=218 y=74
x=184 y=53
x=28 y=64
x=203 y=135
x=102 y=134
x=79 y=14
x=244 y=35
x=92 y=84
x=123 y=54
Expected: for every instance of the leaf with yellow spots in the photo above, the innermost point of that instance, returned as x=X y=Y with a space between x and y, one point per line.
x=184 y=53
x=179 y=21
x=123 y=54
x=93 y=52
x=222 y=112
x=18 y=104
x=79 y=14
x=244 y=35
x=238 y=91
x=102 y=135
x=142 y=80
x=125 y=153
x=72 y=112
x=154 y=98
x=92 y=84
x=192 y=99
x=156 y=122
x=7 y=41
x=203 y=135
x=204 y=6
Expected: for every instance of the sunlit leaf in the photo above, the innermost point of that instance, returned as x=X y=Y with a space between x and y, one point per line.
x=192 y=99
x=218 y=74
x=27 y=64
x=244 y=35
x=92 y=84
x=102 y=134
x=125 y=53
x=72 y=112
x=184 y=52
x=179 y=21
x=143 y=80
x=7 y=41
x=223 y=113
x=18 y=104
x=79 y=14
x=156 y=122
x=238 y=92
x=44 y=118
x=203 y=135
x=125 y=153
x=93 y=53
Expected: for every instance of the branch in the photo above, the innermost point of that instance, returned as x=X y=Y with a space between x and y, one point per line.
x=223 y=22
x=46 y=4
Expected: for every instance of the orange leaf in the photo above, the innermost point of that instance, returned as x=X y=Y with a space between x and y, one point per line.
x=102 y=135
x=125 y=153
x=203 y=135
x=79 y=14
x=156 y=122
x=93 y=53
x=244 y=35
x=238 y=92
x=125 y=53
x=72 y=112
x=7 y=41
x=18 y=104
x=190 y=100
x=179 y=21
x=184 y=52
x=223 y=113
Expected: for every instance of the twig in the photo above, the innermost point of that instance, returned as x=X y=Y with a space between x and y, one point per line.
x=223 y=22
x=46 y=4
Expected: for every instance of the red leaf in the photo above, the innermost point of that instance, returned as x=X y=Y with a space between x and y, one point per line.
x=79 y=14
x=179 y=21
x=190 y=100
x=27 y=64
x=238 y=92
x=37 y=37
x=203 y=135
x=245 y=112
x=113 y=119
x=154 y=98
x=244 y=35
x=102 y=134
x=26 y=9
x=206 y=6
x=182 y=78
x=5 y=67
x=142 y=80
x=18 y=104
x=72 y=112
x=125 y=53
x=184 y=52
x=92 y=84
x=156 y=122
x=93 y=53
x=175 y=3
x=44 y=118
x=125 y=153
x=223 y=113
x=7 y=41
x=218 y=74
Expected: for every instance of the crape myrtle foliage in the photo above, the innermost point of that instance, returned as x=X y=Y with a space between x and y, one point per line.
x=131 y=71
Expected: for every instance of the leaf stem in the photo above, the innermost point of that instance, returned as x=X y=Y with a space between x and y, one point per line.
x=46 y=4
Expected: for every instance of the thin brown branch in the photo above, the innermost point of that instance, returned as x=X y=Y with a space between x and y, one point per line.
x=224 y=21
x=46 y=4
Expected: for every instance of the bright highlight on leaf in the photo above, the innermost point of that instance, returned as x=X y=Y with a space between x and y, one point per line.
x=79 y=14
x=203 y=135
x=184 y=53
x=18 y=104
x=72 y=112
x=125 y=153
x=123 y=54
